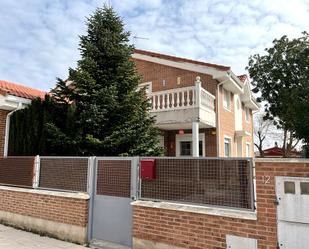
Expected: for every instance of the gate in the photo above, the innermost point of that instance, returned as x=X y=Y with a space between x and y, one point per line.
x=292 y=212
x=115 y=185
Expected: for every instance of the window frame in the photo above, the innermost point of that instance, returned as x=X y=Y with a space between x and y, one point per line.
x=188 y=138
x=227 y=138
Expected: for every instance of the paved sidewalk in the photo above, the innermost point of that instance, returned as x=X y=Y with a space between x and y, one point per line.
x=11 y=238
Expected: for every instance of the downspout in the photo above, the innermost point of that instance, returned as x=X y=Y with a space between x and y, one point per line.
x=7 y=129
x=218 y=120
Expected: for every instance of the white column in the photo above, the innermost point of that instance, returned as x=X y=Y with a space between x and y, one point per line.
x=195 y=139
x=198 y=86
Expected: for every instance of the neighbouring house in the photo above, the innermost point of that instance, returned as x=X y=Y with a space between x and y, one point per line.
x=202 y=109
x=13 y=97
x=277 y=151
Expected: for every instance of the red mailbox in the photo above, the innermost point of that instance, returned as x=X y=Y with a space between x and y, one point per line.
x=148 y=169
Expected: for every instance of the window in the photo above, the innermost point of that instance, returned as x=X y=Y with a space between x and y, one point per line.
x=247 y=110
x=226 y=99
x=227 y=146
x=304 y=188
x=248 y=154
x=289 y=187
x=186 y=148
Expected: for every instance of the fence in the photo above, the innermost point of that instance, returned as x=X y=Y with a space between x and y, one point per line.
x=202 y=181
x=211 y=181
x=17 y=171
x=64 y=173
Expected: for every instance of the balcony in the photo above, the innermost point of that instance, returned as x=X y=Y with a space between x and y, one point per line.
x=178 y=108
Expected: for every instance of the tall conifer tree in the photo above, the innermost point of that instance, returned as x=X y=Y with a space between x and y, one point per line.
x=113 y=115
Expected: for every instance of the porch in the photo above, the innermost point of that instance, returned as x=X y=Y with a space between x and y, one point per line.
x=189 y=110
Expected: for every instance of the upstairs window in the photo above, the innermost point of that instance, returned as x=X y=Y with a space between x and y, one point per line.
x=227 y=147
x=226 y=99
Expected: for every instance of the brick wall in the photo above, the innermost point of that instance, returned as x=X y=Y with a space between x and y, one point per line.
x=156 y=73
x=3 y=114
x=185 y=229
x=226 y=122
x=60 y=215
x=70 y=211
x=227 y=126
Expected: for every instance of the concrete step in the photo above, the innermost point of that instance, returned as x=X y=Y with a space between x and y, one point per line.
x=101 y=244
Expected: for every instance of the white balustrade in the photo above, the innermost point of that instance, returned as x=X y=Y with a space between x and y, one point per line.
x=181 y=98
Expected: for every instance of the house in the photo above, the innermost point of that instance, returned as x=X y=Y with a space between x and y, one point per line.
x=13 y=97
x=277 y=151
x=202 y=109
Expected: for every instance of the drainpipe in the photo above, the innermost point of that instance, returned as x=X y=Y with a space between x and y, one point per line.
x=7 y=129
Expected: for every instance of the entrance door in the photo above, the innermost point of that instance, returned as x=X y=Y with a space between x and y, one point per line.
x=293 y=212
x=114 y=189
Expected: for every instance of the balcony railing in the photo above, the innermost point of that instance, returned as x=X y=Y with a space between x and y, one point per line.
x=182 y=98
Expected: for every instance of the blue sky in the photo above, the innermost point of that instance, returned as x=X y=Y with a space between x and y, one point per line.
x=39 y=38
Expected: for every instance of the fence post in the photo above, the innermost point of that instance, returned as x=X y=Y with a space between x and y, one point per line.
x=135 y=178
x=91 y=184
x=36 y=180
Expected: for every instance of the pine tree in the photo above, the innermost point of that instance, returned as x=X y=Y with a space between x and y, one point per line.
x=102 y=112
x=113 y=115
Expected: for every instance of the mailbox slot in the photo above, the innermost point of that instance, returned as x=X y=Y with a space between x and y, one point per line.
x=148 y=169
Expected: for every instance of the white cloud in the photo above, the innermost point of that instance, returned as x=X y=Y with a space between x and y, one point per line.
x=39 y=38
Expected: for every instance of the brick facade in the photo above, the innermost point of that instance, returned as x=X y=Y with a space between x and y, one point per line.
x=3 y=114
x=165 y=77
x=156 y=73
x=198 y=231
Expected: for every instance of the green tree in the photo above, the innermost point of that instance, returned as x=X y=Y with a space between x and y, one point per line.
x=42 y=128
x=281 y=78
x=111 y=113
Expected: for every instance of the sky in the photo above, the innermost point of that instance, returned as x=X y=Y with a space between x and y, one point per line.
x=39 y=38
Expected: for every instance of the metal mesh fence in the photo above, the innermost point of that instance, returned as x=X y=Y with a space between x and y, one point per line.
x=220 y=182
x=64 y=173
x=114 y=177
x=17 y=171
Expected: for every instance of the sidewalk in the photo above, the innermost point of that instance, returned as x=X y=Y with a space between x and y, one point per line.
x=11 y=238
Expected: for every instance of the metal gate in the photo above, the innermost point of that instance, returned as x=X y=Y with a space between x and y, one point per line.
x=293 y=212
x=115 y=185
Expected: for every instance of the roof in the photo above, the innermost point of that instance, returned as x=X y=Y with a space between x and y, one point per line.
x=20 y=90
x=180 y=59
x=277 y=151
x=243 y=77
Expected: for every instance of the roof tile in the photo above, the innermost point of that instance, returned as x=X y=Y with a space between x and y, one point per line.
x=20 y=90
x=174 y=58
